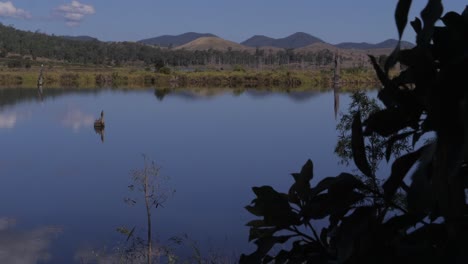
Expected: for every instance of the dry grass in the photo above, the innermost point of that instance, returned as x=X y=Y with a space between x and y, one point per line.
x=137 y=77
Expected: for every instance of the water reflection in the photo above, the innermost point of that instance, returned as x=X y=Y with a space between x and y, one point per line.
x=100 y=131
x=161 y=93
x=11 y=96
x=8 y=120
x=76 y=119
x=255 y=134
x=40 y=93
x=206 y=93
x=25 y=247
x=336 y=99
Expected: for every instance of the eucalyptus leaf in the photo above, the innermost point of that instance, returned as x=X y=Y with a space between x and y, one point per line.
x=359 y=150
x=401 y=15
x=400 y=168
x=417 y=25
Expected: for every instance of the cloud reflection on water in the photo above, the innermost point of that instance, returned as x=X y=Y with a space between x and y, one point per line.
x=25 y=247
x=8 y=120
x=76 y=119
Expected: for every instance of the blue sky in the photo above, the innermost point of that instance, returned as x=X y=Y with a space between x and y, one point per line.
x=116 y=20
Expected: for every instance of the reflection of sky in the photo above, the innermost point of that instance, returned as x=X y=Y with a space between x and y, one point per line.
x=76 y=119
x=8 y=120
x=25 y=247
x=213 y=151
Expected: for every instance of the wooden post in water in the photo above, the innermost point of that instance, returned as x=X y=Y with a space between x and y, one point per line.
x=336 y=84
x=40 y=82
x=40 y=79
x=337 y=71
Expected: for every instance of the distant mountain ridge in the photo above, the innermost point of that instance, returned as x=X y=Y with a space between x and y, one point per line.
x=80 y=38
x=175 y=40
x=297 y=40
x=294 y=41
x=215 y=43
x=389 y=43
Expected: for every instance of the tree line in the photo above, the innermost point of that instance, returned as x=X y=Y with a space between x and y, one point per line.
x=39 y=45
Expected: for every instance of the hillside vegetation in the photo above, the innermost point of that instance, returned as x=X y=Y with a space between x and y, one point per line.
x=25 y=45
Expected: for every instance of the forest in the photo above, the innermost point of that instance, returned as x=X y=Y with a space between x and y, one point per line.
x=34 y=45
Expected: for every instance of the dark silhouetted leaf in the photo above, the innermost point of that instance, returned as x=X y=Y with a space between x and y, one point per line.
x=273 y=206
x=264 y=245
x=452 y=20
x=401 y=15
x=326 y=204
x=465 y=14
x=405 y=77
x=380 y=73
x=409 y=57
x=431 y=234
x=353 y=228
x=256 y=223
x=430 y=14
x=300 y=189
x=324 y=236
x=392 y=59
x=400 y=168
x=420 y=195
x=340 y=195
x=358 y=148
x=416 y=137
x=256 y=233
x=307 y=170
x=387 y=122
x=402 y=222
x=392 y=140
x=342 y=182
x=417 y=25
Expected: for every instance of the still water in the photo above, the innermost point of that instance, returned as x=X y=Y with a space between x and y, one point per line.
x=63 y=187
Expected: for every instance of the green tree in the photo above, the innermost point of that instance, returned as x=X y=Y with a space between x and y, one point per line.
x=376 y=145
x=364 y=224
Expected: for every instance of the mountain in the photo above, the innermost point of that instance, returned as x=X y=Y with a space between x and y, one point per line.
x=389 y=43
x=315 y=47
x=80 y=38
x=215 y=43
x=296 y=40
x=178 y=40
x=259 y=41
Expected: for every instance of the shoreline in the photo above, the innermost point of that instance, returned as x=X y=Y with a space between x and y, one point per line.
x=98 y=77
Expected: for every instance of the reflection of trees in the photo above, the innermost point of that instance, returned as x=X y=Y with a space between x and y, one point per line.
x=12 y=96
x=26 y=247
x=161 y=93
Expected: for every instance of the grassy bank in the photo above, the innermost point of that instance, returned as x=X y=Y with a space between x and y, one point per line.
x=76 y=76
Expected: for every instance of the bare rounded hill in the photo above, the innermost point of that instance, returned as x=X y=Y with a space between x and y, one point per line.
x=215 y=43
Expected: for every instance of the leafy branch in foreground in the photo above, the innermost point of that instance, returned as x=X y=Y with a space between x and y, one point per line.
x=364 y=224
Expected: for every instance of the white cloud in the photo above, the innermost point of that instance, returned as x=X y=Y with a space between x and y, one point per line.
x=7 y=9
x=75 y=12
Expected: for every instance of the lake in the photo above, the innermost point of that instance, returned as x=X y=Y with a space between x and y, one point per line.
x=63 y=185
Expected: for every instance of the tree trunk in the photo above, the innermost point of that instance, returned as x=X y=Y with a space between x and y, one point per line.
x=148 y=214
